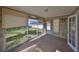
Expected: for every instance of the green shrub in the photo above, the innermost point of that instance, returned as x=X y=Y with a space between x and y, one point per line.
x=33 y=32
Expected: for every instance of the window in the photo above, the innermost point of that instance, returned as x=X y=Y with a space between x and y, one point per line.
x=19 y=29
x=15 y=36
x=32 y=28
x=35 y=28
x=48 y=26
x=20 y=34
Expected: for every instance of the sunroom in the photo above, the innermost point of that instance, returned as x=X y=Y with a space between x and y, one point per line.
x=39 y=28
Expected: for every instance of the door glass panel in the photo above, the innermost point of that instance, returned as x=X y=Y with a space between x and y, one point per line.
x=69 y=38
x=73 y=31
x=70 y=30
x=73 y=40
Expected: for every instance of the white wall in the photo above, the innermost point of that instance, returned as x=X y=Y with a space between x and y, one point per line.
x=56 y=25
x=59 y=28
x=63 y=28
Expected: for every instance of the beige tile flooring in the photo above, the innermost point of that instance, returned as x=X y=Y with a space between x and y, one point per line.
x=47 y=43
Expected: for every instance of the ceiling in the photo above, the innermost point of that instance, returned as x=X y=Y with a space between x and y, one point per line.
x=46 y=11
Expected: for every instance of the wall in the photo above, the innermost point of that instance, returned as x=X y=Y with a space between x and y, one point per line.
x=61 y=28
x=12 y=18
x=55 y=27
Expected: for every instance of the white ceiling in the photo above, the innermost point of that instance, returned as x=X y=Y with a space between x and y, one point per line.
x=40 y=10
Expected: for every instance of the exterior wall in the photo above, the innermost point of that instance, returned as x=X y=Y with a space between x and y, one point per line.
x=12 y=18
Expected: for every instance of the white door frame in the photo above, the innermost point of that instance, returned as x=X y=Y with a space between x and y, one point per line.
x=74 y=48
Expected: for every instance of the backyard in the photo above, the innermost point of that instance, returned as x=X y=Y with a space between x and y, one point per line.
x=18 y=35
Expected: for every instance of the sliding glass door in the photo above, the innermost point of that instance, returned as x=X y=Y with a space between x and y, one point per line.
x=72 y=32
